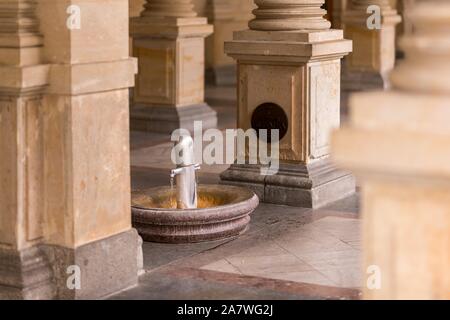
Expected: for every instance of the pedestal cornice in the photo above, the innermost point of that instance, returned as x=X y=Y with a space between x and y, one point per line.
x=298 y=45
x=170 y=28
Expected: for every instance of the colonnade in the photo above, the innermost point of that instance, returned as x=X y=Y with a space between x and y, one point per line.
x=64 y=128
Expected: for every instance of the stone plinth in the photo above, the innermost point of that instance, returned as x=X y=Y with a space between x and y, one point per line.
x=397 y=144
x=169 y=43
x=64 y=136
x=291 y=64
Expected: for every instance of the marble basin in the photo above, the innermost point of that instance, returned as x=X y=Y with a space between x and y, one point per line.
x=223 y=212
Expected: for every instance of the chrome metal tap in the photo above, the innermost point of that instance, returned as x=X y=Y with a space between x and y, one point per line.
x=185 y=174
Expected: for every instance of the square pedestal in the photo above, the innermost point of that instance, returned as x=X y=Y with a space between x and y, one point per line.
x=170 y=85
x=290 y=81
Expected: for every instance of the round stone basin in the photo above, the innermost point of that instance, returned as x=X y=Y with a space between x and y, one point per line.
x=223 y=212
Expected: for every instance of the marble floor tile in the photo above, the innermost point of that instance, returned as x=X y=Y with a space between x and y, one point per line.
x=312 y=277
x=222 y=266
x=268 y=264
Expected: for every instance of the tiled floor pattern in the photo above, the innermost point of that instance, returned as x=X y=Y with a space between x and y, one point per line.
x=325 y=252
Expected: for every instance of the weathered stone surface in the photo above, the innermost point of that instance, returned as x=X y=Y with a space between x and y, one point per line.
x=25 y=274
x=106 y=266
x=96 y=165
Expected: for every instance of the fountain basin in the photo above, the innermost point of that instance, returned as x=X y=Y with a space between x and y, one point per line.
x=223 y=212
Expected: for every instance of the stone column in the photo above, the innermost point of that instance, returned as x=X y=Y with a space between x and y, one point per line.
x=373 y=57
x=397 y=144
x=226 y=16
x=24 y=269
x=169 y=42
x=289 y=79
x=65 y=191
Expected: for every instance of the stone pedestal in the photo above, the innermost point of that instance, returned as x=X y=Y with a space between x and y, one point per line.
x=291 y=65
x=64 y=136
x=373 y=56
x=397 y=144
x=169 y=42
x=226 y=16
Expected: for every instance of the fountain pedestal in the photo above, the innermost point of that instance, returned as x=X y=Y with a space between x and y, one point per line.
x=290 y=65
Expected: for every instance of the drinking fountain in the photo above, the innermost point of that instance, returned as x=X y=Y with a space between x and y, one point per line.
x=191 y=212
x=185 y=174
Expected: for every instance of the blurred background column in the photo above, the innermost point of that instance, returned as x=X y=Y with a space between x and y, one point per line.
x=226 y=16
x=374 y=53
x=338 y=9
x=169 y=42
x=405 y=7
x=397 y=143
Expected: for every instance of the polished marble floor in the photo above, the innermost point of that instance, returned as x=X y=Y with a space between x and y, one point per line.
x=288 y=253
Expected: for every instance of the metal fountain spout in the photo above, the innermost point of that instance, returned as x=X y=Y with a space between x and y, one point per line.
x=185 y=174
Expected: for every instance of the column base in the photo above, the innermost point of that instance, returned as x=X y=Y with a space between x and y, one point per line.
x=222 y=76
x=107 y=266
x=166 y=119
x=297 y=185
x=25 y=275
